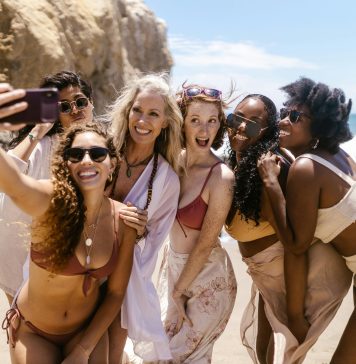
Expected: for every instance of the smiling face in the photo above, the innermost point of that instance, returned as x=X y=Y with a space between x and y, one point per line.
x=87 y=173
x=147 y=118
x=201 y=125
x=296 y=136
x=253 y=109
x=85 y=115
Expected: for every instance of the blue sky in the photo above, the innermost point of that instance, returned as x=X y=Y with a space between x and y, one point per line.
x=261 y=45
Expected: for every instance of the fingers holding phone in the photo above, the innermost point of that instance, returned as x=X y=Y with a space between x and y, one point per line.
x=7 y=96
x=31 y=106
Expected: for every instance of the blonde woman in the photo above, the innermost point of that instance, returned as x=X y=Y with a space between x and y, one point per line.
x=146 y=124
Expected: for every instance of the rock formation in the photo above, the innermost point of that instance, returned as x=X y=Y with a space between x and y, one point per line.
x=106 y=40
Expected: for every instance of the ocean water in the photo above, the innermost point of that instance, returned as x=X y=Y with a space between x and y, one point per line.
x=352 y=123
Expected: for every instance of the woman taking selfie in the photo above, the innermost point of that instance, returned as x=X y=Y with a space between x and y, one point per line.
x=76 y=240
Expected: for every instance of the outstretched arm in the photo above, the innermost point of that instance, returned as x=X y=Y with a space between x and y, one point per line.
x=109 y=309
x=218 y=207
x=30 y=195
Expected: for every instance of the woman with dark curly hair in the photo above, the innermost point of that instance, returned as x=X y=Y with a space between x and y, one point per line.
x=77 y=240
x=264 y=327
x=197 y=284
x=321 y=189
x=31 y=150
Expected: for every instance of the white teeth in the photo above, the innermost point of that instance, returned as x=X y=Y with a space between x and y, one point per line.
x=87 y=174
x=142 y=131
x=241 y=137
x=203 y=139
x=283 y=133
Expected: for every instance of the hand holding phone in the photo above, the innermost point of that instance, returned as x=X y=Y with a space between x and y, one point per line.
x=7 y=94
x=42 y=106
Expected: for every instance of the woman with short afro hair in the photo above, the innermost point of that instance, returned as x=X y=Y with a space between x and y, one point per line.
x=321 y=189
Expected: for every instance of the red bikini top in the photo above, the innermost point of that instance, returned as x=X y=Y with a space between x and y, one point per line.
x=74 y=267
x=192 y=215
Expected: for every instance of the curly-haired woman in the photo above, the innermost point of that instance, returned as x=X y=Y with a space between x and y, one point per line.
x=254 y=132
x=321 y=189
x=31 y=150
x=76 y=240
x=197 y=284
x=146 y=124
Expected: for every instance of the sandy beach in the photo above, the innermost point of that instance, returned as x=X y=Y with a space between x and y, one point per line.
x=228 y=349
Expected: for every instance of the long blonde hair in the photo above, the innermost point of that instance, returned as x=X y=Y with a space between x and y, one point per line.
x=169 y=142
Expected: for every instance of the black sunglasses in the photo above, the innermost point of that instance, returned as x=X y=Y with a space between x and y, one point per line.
x=76 y=155
x=293 y=115
x=66 y=107
x=252 y=129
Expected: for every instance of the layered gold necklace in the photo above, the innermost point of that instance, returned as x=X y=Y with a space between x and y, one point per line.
x=89 y=241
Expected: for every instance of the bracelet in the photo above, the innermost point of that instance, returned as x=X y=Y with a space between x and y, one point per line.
x=83 y=350
x=33 y=137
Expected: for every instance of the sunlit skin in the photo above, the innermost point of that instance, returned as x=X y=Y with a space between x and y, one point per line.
x=201 y=126
x=252 y=109
x=146 y=120
x=296 y=136
x=87 y=173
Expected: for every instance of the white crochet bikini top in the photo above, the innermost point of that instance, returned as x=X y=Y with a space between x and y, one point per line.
x=333 y=220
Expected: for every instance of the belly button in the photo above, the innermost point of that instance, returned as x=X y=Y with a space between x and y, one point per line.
x=65 y=314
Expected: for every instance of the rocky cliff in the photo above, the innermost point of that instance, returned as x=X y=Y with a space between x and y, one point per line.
x=106 y=40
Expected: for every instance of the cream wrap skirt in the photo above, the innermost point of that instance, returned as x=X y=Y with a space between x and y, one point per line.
x=211 y=300
x=328 y=282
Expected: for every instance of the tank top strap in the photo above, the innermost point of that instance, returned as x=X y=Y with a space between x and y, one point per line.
x=208 y=176
x=330 y=166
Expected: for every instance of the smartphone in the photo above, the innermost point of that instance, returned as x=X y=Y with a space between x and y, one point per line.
x=42 y=107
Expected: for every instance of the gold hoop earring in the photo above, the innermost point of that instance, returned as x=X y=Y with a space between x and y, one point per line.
x=110 y=177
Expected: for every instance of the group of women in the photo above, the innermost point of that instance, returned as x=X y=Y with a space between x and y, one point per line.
x=101 y=204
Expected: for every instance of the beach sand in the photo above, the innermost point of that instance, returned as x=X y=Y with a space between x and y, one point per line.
x=228 y=349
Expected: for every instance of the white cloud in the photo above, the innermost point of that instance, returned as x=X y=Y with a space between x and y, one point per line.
x=243 y=55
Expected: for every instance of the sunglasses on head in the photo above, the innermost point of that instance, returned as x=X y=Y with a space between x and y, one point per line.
x=76 y=155
x=293 y=115
x=252 y=128
x=196 y=91
x=66 y=107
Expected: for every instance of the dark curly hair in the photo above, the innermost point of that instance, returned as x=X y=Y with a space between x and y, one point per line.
x=328 y=108
x=61 y=226
x=248 y=184
x=60 y=80
x=184 y=102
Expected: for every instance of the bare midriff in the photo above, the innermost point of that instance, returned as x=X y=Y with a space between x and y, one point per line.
x=56 y=303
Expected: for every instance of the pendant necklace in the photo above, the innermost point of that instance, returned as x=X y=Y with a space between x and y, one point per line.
x=129 y=166
x=89 y=242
